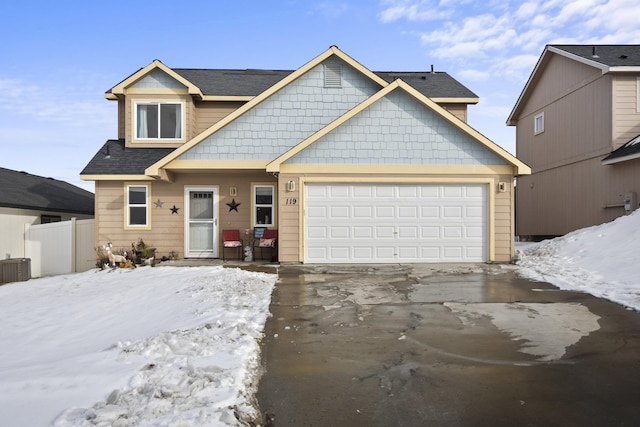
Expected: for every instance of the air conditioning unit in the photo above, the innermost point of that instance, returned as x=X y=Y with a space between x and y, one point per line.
x=15 y=270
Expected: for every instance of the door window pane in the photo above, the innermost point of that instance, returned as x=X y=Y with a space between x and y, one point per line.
x=201 y=205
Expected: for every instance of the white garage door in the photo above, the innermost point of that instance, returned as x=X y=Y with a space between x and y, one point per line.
x=385 y=223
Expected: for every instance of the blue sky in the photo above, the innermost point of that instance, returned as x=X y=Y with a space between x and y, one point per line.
x=58 y=58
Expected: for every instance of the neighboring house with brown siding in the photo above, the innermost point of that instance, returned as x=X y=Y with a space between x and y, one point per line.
x=349 y=165
x=577 y=122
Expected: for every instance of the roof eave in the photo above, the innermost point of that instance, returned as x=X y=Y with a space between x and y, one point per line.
x=121 y=87
x=456 y=100
x=621 y=159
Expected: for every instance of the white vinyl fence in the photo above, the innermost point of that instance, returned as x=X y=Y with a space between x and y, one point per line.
x=60 y=247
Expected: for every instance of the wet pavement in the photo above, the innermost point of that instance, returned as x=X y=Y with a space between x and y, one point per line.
x=454 y=345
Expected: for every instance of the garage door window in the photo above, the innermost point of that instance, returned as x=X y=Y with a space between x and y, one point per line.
x=263 y=205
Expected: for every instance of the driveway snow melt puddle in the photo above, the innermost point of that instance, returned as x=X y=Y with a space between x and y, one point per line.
x=547 y=328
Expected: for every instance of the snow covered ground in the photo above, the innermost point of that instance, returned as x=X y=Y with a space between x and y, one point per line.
x=152 y=346
x=178 y=346
x=603 y=260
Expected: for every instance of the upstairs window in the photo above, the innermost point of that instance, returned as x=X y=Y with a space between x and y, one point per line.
x=538 y=123
x=158 y=120
x=137 y=205
x=263 y=205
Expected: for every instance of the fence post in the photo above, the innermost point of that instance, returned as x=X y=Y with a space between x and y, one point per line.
x=73 y=244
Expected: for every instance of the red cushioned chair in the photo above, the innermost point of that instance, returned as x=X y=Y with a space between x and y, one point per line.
x=231 y=239
x=269 y=240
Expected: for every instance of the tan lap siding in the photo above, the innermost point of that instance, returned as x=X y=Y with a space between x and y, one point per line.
x=167 y=229
x=289 y=220
x=503 y=220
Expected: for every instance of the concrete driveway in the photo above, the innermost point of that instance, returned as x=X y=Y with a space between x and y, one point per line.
x=444 y=345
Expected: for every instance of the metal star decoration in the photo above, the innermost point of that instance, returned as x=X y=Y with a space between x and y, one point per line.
x=158 y=203
x=174 y=210
x=233 y=206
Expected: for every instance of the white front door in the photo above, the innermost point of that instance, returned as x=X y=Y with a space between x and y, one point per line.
x=201 y=222
x=386 y=223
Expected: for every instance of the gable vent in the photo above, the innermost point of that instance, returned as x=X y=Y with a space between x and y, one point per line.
x=332 y=75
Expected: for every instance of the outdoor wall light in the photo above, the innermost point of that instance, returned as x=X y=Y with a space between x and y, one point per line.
x=233 y=191
x=291 y=186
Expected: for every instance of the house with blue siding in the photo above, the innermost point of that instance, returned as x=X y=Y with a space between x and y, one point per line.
x=340 y=164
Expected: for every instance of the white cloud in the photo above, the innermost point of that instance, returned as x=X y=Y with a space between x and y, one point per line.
x=526 y=10
x=423 y=10
x=473 y=75
x=35 y=102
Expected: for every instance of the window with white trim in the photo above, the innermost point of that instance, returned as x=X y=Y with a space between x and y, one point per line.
x=158 y=120
x=538 y=123
x=137 y=205
x=263 y=205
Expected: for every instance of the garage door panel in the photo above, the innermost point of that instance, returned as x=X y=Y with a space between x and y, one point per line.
x=408 y=191
x=363 y=232
x=408 y=212
x=382 y=191
x=411 y=233
x=363 y=253
x=386 y=212
x=453 y=252
x=317 y=212
x=452 y=232
x=385 y=253
x=430 y=212
x=452 y=212
x=385 y=232
x=339 y=212
x=364 y=192
x=365 y=223
x=474 y=232
x=340 y=232
x=363 y=212
x=338 y=192
x=432 y=232
x=317 y=232
x=340 y=253
x=452 y=192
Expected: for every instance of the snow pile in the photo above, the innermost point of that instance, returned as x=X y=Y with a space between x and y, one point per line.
x=150 y=346
x=599 y=260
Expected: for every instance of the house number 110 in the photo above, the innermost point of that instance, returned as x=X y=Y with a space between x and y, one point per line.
x=290 y=201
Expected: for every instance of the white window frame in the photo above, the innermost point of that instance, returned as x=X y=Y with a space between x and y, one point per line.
x=255 y=205
x=129 y=205
x=159 y=104
x=538 y=123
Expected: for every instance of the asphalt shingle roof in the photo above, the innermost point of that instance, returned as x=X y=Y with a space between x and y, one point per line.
x=434 y=85
x=610 y=55
x=25 y=191
x=232 y=82
x=631 y=148
x=253 y=82
x=115 y=159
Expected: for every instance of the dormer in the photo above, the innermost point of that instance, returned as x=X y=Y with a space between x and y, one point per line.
x=155 y=107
